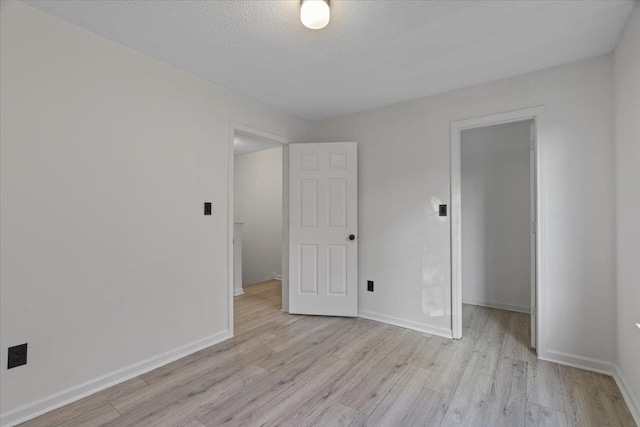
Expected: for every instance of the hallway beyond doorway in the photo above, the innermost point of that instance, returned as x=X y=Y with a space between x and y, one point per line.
x=260 y=304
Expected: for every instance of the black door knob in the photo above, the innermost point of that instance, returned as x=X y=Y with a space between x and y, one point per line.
x=352 y=237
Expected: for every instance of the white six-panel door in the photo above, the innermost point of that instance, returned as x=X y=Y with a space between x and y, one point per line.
x=323 y=229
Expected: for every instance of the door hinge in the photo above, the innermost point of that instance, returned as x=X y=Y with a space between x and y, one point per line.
x=533 y=227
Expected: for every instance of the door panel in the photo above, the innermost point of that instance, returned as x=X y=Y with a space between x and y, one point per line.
x=337 y=271
x=309 y=203
x=323 y=214
x=308 y=271
x=338 y=203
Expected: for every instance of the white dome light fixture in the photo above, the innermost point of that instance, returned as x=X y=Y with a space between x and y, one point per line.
x=315 y=14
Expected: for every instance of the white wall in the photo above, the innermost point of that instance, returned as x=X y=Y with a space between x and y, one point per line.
x=258 y=203
x=404 y=174
x=627 y=137
x=107 y=158
x=496 y=216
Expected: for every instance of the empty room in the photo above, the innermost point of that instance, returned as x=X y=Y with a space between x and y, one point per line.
x=319 y=213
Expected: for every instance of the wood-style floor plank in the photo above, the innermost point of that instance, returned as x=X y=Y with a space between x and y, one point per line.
x=367 y=395
x=539 y=416
x=339 y=416
x=506 y=405
x=393 y=408
x=428 y=408
x=295 y=371
x=543 y=385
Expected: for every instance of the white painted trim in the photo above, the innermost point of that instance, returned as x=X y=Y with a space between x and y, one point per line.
x=275 y=276
x=238 y=292
x=285 y=229
x=577 y=361
x=456 y=233
x=501 y=306
x=404 y=323
x=538 y=115
x=233 y=127
x=629 y=397
x=260 y=133
x=64 y=397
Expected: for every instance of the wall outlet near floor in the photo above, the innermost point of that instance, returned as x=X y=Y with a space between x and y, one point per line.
x=370 y=285
x=17 y=356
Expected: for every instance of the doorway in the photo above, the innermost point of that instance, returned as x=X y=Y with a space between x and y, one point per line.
x=319 y=194
x=257 y=222
x=495 y=223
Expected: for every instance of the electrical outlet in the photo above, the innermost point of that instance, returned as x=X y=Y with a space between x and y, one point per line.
x=442 y=210
x=370 y=285
x=17 y=356
x=207 y=208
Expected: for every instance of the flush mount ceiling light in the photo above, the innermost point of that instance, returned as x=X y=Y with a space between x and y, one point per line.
x=315 y=14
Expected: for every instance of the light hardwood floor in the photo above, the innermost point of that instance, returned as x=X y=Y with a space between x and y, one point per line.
x=325 y=371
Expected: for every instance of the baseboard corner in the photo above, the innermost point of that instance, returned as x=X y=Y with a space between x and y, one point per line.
x=274 y=276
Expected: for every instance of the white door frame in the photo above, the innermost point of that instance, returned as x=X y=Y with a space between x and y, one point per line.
x=233 y=127
x=537 y=114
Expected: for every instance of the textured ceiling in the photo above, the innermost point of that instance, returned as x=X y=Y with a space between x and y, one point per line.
x=372 y=53
x=244 y=143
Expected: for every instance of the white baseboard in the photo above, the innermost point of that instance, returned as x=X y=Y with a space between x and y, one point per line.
x=238 y=292
x=404 y=323
x=627 y=393
x=581 y=362
x=31 y=410
x=500 y=306
x=272 y=276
